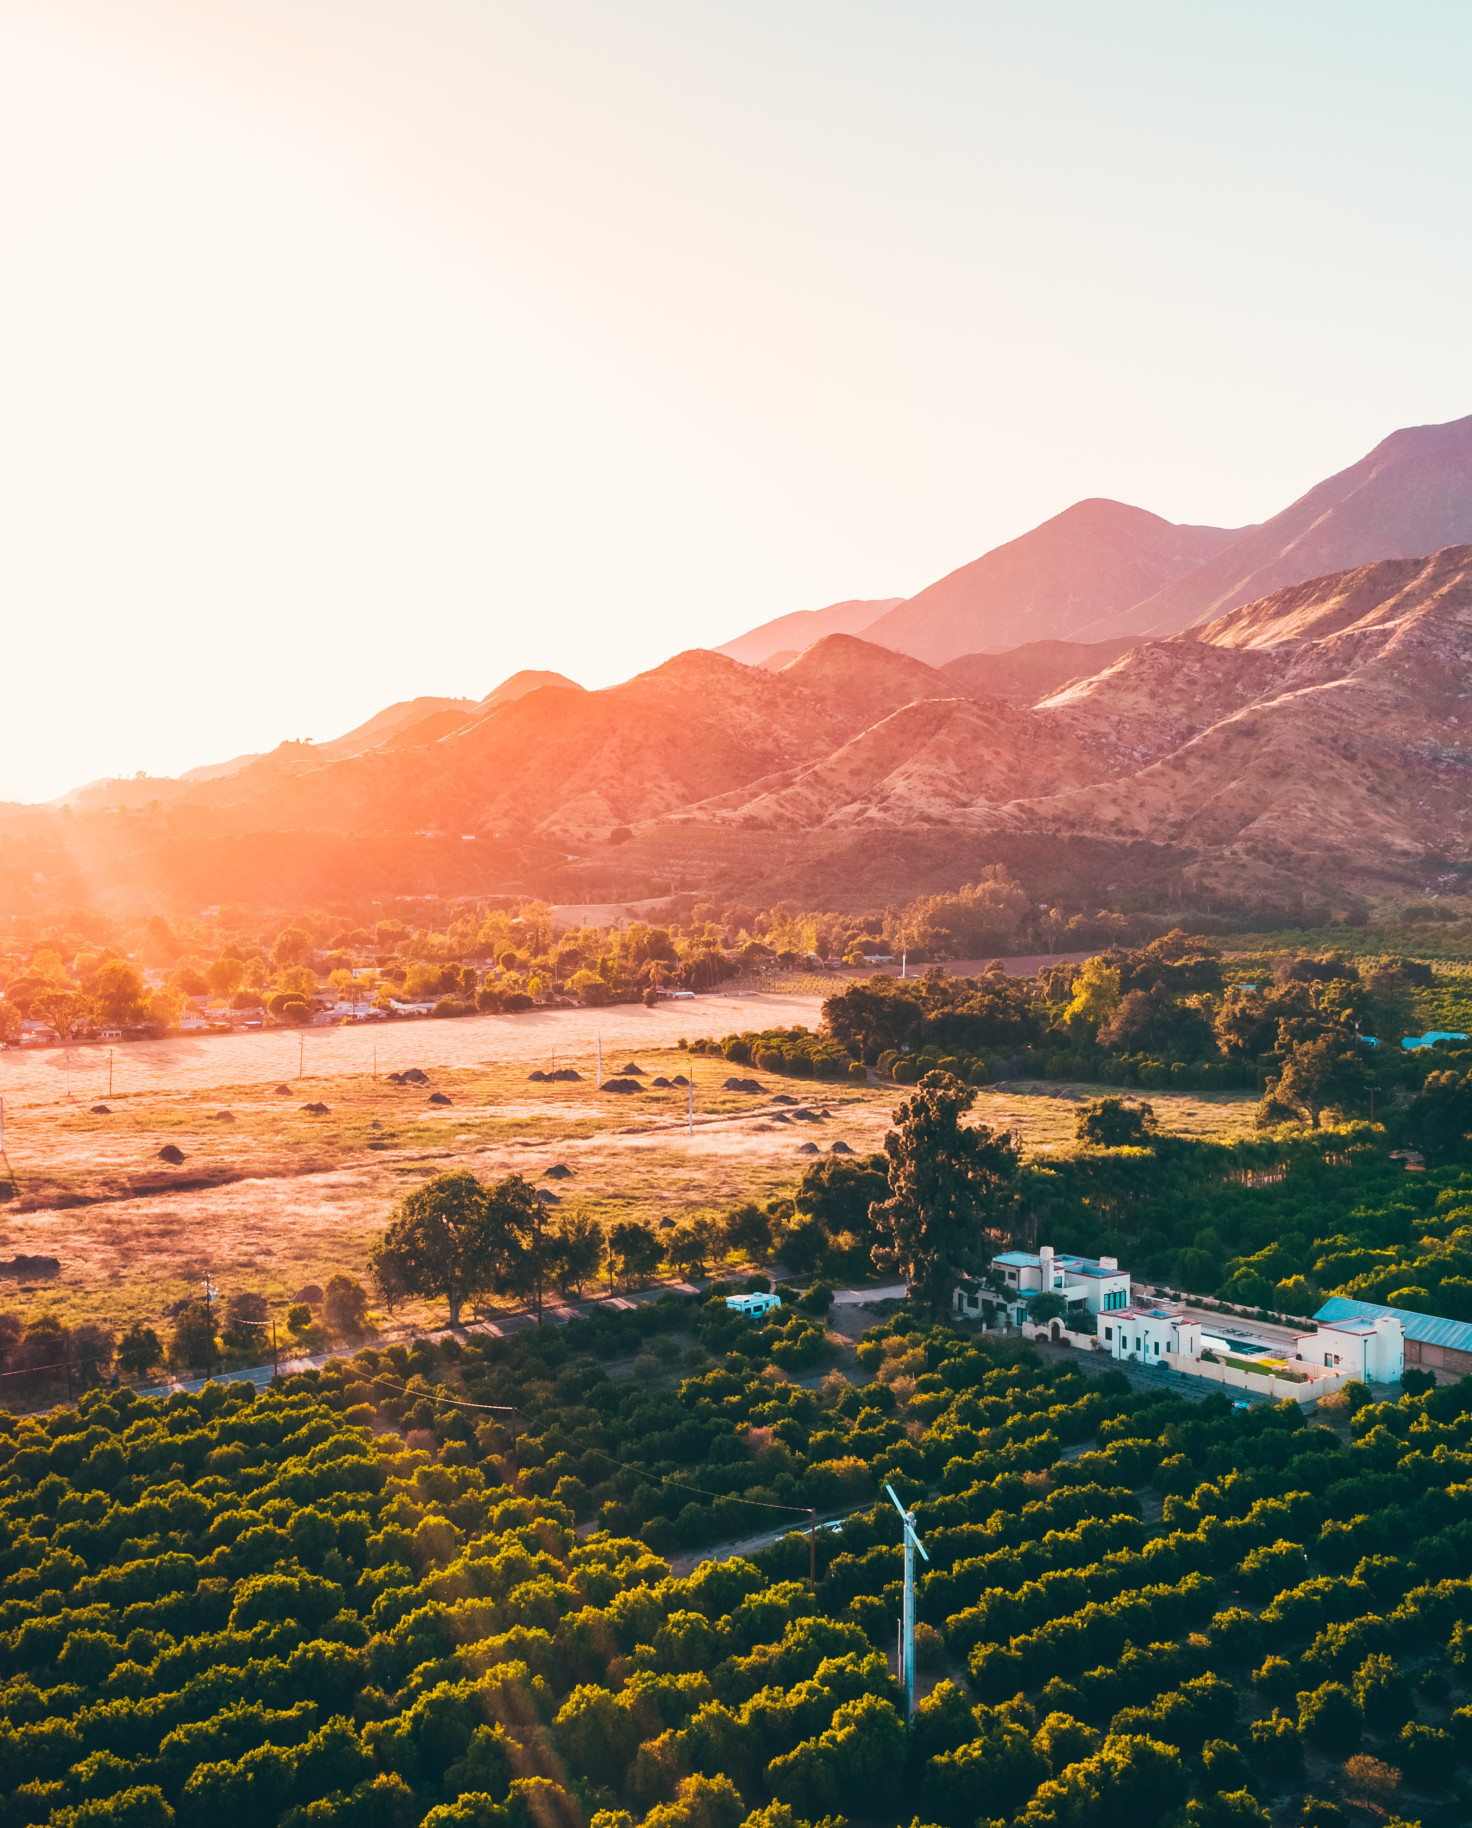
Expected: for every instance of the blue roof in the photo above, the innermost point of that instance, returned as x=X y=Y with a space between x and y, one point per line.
x=1430 y=1329
x=1082 y=1266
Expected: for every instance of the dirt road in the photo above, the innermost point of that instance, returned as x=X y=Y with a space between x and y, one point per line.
x=544 y=1036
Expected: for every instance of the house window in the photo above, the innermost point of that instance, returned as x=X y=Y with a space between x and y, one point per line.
x=1157 y=1348
x=1109 y=1333
x=1328 y=1358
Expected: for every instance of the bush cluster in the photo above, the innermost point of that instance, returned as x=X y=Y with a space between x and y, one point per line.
x=797 y=1052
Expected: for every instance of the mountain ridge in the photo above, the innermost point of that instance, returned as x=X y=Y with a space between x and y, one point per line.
x=1409 y=496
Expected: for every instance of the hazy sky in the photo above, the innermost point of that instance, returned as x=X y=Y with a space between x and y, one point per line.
x=355 y=349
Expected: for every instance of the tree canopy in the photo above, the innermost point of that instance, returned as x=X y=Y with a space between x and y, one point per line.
x=456 y=1238
x=949 y=1186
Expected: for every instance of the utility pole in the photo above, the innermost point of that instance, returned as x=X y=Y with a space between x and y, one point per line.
x=813 y=1550
x=907 y=1621
x=600 y=1063
x=209 y=1331
x=301 y=1055
x=275 y=1359
x=109 y=1072
x=692 y=1097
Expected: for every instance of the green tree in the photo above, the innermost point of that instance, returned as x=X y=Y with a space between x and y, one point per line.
x=293 y=947
x=139 y=1351
x=1329 y=1717
x=1113 y=1123
x=454 y=1238
x=948 y=1187
x=345 y=1306
x=1325 y=1074
x=838 y=1190
x=526 y=1249
x=1439 y=1121
x=747 y=1232
x=226 y=975
x=1095 y=995
x=634 y=1250
x=575 y=1252
x=245 y=1316
x=92 y=1349
x=193 y=1346
x=117 y=995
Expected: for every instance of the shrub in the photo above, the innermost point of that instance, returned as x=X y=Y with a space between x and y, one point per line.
x=1328 y=1717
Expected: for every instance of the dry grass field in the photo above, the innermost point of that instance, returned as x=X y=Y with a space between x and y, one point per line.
x=272 y=1197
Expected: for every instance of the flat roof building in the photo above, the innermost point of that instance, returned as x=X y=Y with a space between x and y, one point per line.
x=1149 y=1333
x=1430 y=1341
x=1095 y=1284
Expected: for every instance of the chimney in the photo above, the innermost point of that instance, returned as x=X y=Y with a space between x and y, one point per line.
x=1109 y=1263
x=1045 y=1266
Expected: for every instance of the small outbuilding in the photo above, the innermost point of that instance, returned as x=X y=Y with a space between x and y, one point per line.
x=753 y=1307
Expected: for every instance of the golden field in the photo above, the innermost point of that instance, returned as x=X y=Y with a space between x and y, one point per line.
x=273 y=1197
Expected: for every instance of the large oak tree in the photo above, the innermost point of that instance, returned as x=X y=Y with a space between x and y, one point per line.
x=457 y=1238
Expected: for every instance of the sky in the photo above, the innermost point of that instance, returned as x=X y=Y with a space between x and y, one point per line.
x=352 y=350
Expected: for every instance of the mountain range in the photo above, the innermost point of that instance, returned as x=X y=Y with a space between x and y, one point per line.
x=1293 y=714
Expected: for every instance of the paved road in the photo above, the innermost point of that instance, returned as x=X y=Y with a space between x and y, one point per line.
x=504 y=1326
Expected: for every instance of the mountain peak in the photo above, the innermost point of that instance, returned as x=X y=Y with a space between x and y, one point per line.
x=1408 y=497
x=1091 y=561
x=529 y=679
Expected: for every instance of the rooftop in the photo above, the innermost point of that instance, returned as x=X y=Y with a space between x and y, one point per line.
x=1429 y=1329
x=1077 y=1266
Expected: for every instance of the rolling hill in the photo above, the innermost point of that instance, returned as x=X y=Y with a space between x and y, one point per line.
x=1027 y=673
x=792 y=633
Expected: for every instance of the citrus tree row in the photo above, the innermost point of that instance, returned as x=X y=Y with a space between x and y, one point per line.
x=436 y=1587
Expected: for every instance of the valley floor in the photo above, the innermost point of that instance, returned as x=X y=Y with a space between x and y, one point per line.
x=270 y=1196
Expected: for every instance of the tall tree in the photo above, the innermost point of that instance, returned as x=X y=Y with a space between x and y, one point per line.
x=1441 y=1118
x=455 y=1238
x=575 y=1252
x=1329 y=1073
x=526 y=1252
x=634 y=1250
x=948 y=1186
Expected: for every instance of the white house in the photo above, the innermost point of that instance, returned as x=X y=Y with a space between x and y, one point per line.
x=1372 y=1349
x=1096 y=1285
x=1150 y=1333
